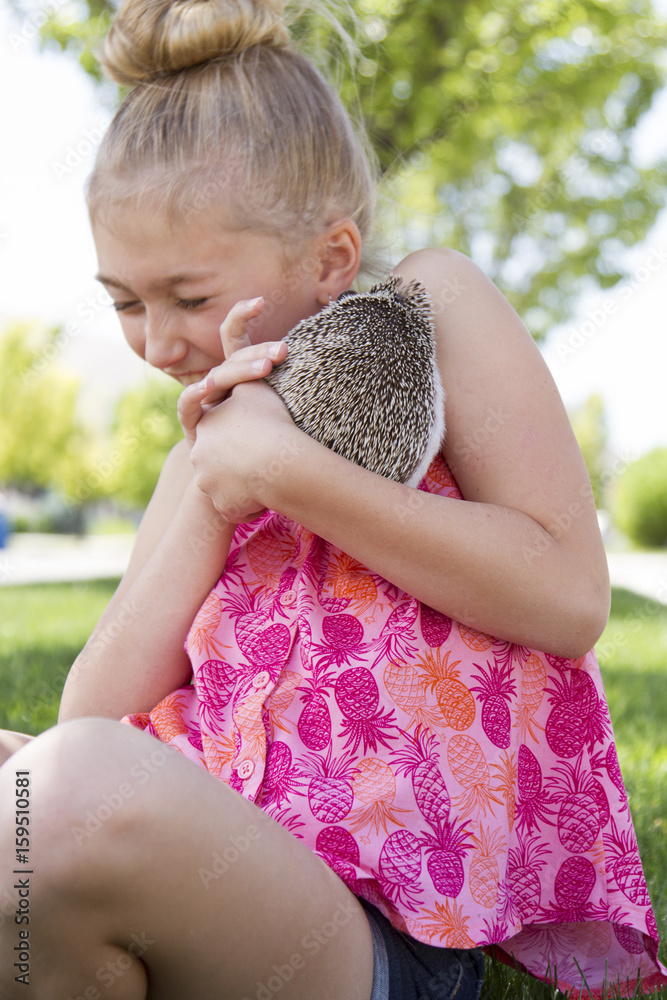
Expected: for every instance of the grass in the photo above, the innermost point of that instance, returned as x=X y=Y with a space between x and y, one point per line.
x=42 y=628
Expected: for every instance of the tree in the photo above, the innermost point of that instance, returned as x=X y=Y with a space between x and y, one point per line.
x=590 y=428
x=145 y=429
x=43 y=444
x=640 y=502
x=504 y=130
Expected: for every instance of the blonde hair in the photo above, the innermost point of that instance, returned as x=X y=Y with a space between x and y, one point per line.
x=224 y=112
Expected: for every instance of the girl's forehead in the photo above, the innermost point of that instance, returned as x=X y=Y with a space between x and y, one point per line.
x=155 y=236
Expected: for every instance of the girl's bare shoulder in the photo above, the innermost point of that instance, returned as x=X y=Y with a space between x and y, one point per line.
x=508 y=437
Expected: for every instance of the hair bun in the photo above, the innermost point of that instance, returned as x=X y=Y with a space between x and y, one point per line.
x=152 y=37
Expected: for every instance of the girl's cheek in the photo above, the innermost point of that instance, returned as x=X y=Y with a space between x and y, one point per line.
x=134 y=337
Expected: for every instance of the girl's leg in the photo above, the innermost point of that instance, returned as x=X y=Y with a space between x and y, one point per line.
x=10 y=742
x=148 y=878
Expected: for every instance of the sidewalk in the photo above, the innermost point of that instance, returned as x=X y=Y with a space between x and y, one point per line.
x=57 y=558
x=32 y=558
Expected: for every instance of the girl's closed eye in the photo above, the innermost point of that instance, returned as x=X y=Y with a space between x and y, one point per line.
x=191 y=303
x=120 y=306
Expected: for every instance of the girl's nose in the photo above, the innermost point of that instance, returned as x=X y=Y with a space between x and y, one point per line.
x=164 y=342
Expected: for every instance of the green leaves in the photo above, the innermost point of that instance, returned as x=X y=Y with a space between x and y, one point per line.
x=504 y=130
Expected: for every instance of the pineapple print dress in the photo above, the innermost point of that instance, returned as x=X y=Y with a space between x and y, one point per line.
x=467 y=787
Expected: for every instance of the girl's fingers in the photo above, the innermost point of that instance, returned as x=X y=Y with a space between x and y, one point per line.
x=246 y=364
x=243 y=362
x=191 y=408
x=233 y=332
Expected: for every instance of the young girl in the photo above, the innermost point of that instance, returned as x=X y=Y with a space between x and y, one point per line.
x=395 y=748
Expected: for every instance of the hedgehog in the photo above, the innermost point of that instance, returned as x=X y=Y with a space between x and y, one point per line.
x=361 y=378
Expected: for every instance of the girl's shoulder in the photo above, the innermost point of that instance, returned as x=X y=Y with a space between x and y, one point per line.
x=508 y=439
x=506 y=427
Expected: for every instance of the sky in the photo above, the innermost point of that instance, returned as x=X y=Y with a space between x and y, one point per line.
x=52 y=117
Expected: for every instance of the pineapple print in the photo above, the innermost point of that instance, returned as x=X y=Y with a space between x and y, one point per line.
x=267 y=554
x=407 y=690
x=420 y=761
x=348 y=580
x=342 y=641
x=533 y=683
x=534 y=806
x=384 y=724
x=167 y=716
x=281 y=698
x=201 y=637
x=448 y=924
x=523 y=889
x=396 y=640
x=373 y=783
x=578 y=717
x=454 y=699
x=314 y=723
x=281 y=779
x=626 y=866
x=470 y=768
x=358 y=696
x=330 y=794
x=400 y=868
x=507 y=783
x=496 y=688
x=579 y=819
x=484 y=873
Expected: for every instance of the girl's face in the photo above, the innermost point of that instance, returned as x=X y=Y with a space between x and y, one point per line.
x=173 y=285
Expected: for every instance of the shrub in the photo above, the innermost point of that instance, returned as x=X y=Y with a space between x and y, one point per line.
x=640 y=508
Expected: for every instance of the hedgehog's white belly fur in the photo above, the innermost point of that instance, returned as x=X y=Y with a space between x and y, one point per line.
x=361 y=377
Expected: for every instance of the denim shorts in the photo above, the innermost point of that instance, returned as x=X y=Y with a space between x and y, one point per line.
x=406 y=969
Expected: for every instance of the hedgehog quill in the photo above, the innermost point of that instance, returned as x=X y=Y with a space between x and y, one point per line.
x=361 y=377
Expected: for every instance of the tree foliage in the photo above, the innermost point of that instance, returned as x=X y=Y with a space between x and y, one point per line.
x=590 y=428
x=640 y=508
x=504 y=130
x=43 y=444
x=145 y=429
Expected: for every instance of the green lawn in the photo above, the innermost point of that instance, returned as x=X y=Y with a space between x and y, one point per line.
x=42 y=628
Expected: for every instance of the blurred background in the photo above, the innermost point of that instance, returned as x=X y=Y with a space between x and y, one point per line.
x=531 y=136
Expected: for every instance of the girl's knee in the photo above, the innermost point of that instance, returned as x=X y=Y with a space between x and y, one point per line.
x=80 y=784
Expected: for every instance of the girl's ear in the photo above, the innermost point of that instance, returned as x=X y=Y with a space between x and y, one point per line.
x=340 y=255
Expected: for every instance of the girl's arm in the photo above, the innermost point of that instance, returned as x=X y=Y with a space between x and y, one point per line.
x=135 y=656
x=523 y=559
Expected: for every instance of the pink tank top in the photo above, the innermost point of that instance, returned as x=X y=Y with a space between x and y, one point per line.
x=466 y=786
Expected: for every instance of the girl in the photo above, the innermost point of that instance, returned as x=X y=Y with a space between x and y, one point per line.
x=395 y=748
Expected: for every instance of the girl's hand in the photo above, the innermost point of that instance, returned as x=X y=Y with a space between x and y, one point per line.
x=244 y=446
x=244 y=362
